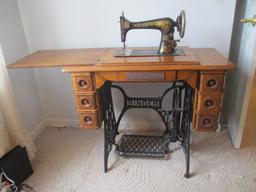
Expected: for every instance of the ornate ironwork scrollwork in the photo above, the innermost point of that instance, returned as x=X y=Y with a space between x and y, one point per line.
x=177 y=119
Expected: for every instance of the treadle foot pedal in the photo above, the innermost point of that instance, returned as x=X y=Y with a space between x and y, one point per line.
x=142 y=146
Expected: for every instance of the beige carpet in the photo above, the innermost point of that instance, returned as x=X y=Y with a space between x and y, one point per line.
x=70 y=160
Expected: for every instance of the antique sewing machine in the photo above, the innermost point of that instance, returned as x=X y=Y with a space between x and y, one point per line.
x=165 y=25
x=195 y=77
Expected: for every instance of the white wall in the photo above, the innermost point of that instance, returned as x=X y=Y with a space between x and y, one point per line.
x=13 y=43
x=54 y=24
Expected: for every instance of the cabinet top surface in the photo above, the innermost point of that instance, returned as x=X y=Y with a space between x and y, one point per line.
x=102 y=59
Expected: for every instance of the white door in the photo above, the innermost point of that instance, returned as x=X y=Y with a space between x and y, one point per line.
x=240 y=82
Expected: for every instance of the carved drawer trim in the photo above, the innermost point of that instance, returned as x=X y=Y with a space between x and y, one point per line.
x=89 y=120
x=206 y=122
x=209 y=103
x=83 y=82
x=86 y=101
x=211 y=82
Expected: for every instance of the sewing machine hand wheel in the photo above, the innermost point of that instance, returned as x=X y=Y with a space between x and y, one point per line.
x=181 y=23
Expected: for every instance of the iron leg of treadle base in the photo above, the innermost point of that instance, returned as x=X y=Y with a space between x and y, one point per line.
x=186 y=149
x=105 y=152
x=105 y=164
x=187 y=175
x=110 y=124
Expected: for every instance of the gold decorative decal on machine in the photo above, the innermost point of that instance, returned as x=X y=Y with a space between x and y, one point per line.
x=165 y=25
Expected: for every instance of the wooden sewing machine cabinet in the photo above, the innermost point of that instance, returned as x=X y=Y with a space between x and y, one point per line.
x=203 y=68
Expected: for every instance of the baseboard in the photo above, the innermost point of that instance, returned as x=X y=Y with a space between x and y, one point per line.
x=38 y=129
x=73 y=123
x=62 y=123
x=52 y=123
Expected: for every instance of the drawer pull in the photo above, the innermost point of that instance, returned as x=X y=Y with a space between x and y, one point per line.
x=85 y=103
x=83 y=83
x=88 y=120
x=209 y=103
x=212 y=83
x=207 y=122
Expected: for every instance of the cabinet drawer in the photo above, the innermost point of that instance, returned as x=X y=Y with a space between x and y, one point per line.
x=86 y=101
x=209 y=103
x=89 y=120
x=156 y=76
x=82 y=82
x=211 y=82
x=206 y=122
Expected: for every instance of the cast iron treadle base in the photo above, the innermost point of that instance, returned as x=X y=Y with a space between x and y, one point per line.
x=142 y=146
x=176 y=118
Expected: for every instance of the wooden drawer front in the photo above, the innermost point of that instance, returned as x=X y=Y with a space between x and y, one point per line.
x=82 y=83
x=206 y=122
x=89 y=120
x=209 y=103
x=142 y=76
x=86 y=101
x=211 y=82
x=146 y=76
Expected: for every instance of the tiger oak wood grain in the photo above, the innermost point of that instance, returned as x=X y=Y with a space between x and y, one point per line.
x=102 y=59
x=90 y=68
x=60 y=58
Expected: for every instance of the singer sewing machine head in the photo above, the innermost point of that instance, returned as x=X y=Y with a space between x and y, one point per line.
x=165 y=25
